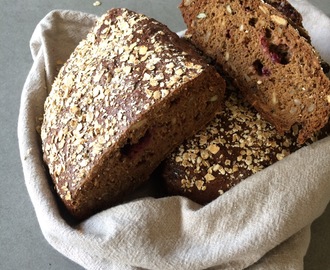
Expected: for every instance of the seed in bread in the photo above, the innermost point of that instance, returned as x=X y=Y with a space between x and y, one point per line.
x=129 y=93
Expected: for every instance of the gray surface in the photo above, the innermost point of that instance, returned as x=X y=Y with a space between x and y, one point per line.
x=22 y=245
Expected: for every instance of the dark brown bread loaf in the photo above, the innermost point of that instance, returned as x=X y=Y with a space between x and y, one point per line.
x=274 y=66
x=130 y=93
x=235 y=145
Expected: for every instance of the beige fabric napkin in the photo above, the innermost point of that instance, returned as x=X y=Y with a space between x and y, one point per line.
x=263 y=223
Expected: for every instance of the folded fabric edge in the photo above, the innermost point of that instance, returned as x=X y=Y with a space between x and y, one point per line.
x=57 y=14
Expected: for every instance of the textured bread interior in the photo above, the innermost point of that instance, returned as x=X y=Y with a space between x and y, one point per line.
x=274 y=66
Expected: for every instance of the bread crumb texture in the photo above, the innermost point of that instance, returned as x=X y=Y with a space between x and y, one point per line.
x=263 y=45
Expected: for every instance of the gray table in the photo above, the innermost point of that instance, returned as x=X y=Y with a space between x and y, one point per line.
x=22 y=245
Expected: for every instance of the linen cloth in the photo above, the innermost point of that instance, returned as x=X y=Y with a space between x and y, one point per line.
x=262 y=223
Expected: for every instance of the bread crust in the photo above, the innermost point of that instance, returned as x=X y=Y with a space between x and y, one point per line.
x=235 y=145
x=130 y=92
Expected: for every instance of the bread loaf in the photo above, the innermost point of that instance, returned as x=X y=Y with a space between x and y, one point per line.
x=129 y=93
x=273 y=63
x=235 y=145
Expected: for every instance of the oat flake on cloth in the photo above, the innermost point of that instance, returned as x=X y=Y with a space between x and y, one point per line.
x=263 y=223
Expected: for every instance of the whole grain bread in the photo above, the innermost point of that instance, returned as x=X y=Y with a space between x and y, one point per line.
x=273 y=64
x=129 y=93
x=237 y=143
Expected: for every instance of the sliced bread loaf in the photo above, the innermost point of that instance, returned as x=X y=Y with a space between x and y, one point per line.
x=130 y=92
x=272 y=63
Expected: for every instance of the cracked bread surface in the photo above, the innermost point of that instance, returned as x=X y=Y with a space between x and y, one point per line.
x=275 y=67
x=129 y=93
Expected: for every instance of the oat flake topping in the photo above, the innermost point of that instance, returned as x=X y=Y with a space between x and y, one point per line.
x=235 y=145
x=119 y=65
